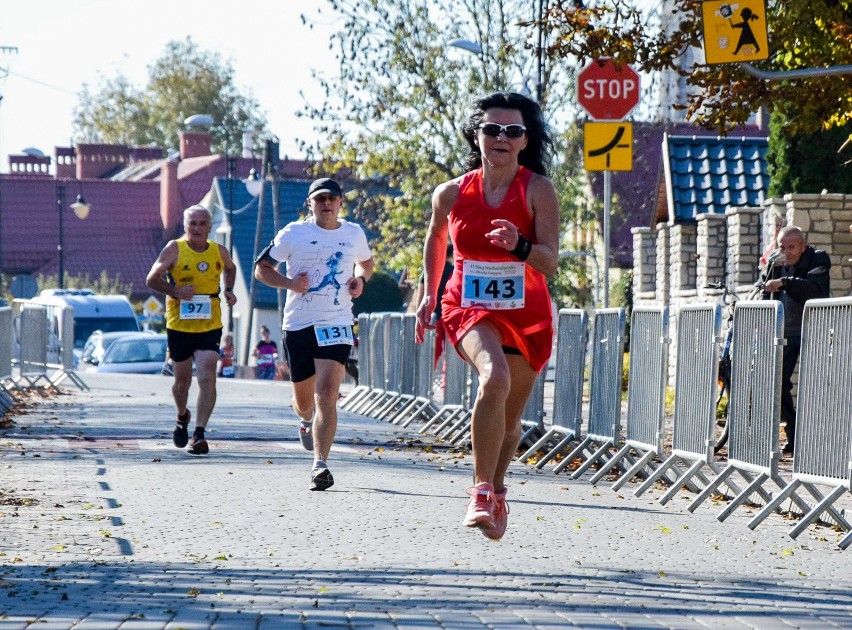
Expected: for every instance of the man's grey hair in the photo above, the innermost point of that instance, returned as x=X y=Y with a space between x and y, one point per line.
x=791 y=230
x=196 y=208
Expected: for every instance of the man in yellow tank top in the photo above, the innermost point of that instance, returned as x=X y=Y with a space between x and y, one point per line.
x=187 y=271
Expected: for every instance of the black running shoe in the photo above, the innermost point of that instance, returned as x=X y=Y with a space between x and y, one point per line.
x=321 y=479
x=198 y=446
x=180 y=436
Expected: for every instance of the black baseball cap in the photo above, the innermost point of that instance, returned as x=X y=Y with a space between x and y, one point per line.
x=324 y=185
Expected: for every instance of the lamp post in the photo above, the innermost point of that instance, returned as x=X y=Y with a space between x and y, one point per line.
x=232 y=171
x=541 y=8
x=81 y=210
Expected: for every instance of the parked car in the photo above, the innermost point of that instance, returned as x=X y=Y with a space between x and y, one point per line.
x=95 y=348
x=91 y=312
x=134 y=353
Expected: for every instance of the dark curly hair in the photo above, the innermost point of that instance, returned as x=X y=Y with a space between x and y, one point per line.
x=537 y=154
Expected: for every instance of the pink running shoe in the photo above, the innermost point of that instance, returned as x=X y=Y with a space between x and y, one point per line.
x=501 y=516
x=480 y=508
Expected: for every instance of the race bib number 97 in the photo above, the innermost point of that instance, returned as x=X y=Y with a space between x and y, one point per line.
x=196 y=308
x=494 y=285
x=333 y=335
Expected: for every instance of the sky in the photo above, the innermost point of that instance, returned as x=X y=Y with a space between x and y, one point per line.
x=63 y=44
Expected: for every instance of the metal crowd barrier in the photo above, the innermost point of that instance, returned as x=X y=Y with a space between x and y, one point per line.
x=646 y=392
x=391 y=388
x=604 y=392
x=694 y=420
x=533 y=415
x=364 y=360
x=376 y=345
x=453 y=407
x=31 y=340
x=570 y=362
x=754 y=405
x=7 y=397
x=824 y=414
x=422 y=403
x=45 y=342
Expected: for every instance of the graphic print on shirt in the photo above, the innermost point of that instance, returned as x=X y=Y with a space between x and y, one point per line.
x=332 y=263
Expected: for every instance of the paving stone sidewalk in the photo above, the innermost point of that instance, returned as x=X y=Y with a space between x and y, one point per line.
x=104 y=524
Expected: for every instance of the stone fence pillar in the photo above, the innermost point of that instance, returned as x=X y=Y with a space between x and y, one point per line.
x=662 y=264
x=744 y=251
x=682 y=265
x=644 y=264
x=712 y=250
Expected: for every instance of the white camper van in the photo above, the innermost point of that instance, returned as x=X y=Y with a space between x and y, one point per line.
x=109 y=313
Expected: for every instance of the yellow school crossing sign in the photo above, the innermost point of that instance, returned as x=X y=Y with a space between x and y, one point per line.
x=608 y=146
x=734 y=31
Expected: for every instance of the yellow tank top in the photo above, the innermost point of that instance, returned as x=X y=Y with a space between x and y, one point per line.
x=202 y=269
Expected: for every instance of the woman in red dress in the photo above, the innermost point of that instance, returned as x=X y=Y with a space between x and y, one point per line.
x=503 y=218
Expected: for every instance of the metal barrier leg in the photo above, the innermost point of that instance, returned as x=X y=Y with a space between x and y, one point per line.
x=774 y=504
x=837 y=516
x=570 y=456
x=656 y=475
x=845 y=541
x=813 y=515
x=593 y=459
x=425 y=407
x=690 y=472
x=609 y=465
x=449 y=419
x=354 y=395
x=742 y=497
x=709 y=488
x=633 y=470
x=560 y=447
x=544 y=439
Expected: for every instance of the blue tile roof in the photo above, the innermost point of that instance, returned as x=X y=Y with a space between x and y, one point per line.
x=291 y=195
x=706 y=174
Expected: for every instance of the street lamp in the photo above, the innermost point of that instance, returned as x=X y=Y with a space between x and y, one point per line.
x=81 y=210
x=541 y=9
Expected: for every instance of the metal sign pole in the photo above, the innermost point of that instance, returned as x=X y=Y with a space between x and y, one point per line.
x=606 y=213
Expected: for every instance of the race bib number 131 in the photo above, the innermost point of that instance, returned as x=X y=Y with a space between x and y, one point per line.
x=333 y=335
x=494 y=285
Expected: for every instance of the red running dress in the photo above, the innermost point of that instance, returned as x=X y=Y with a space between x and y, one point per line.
x=530 y=329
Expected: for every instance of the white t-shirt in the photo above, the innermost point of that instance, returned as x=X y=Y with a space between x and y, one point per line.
x=328 y=257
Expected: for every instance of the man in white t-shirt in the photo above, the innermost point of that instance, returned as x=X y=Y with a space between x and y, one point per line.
x=328 y=263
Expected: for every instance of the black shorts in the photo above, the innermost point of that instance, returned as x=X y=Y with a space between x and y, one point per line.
x=182 y=345
x=301 y=348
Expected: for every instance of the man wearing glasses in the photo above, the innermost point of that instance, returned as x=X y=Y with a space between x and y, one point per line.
x=328 y=262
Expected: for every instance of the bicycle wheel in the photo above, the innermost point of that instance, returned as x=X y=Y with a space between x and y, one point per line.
x=722 y=400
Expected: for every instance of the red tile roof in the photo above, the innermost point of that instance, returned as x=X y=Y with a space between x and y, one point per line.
x=122 y=234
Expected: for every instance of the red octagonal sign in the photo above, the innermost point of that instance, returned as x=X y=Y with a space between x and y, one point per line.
x=607 y=92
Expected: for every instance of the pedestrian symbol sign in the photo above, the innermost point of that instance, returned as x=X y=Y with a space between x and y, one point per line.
x=608 y=146
x=734 y=31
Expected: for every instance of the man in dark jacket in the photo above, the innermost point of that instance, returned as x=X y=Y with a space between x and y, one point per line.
x=804 y=275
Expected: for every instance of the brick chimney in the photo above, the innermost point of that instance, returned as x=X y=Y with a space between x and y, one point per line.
x=66 y=162
x=96 y=160
x=29 y=165
x=170 y=206
x=195 y=144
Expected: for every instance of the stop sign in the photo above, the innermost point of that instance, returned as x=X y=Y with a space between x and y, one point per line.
x=605 y=92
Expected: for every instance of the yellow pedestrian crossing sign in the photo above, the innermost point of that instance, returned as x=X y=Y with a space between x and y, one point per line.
x=734 y=31
x=608 y=146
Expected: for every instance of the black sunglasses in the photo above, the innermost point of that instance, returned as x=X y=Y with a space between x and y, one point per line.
x=494 y=130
